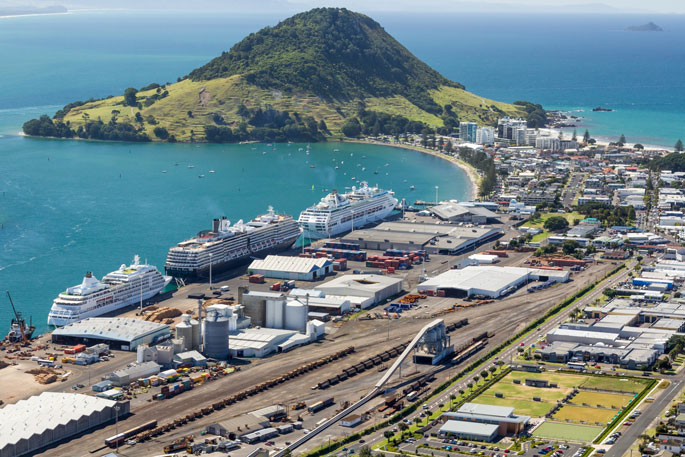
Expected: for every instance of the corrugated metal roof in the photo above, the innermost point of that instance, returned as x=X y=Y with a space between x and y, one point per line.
x=469 y=428
x=46 y=411
x=289 y=264
x=486 y=410
x=123 y=329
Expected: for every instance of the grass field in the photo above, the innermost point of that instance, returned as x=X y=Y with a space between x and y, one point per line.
x=582 y=413
x=540 y=222
x=522 y=407
x=615 y=401
x=571 y=432
x=617 y=384
x=520 y=396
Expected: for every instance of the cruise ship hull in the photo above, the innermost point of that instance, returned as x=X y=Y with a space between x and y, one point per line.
x=60 y=322
x=310 y=233
x=191 y=274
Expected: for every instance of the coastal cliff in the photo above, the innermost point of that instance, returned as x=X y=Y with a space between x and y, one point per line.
x=328 y=72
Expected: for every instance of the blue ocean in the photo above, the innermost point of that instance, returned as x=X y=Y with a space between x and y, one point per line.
x=67 y=207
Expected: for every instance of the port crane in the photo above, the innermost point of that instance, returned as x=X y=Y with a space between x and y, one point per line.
x=19 y=320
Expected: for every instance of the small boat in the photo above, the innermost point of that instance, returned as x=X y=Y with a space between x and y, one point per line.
x=263 y=152
x=353 y=178
x=375 y=172
x=336 y=167
x=363 y=168
x=211 y=171
x=411 y=187
x=387 y=174
x=268 y=145
x=386 y=165
x=176 y=164
x=191 y=166
x=336 y=150
x=312 y=166
x=163 y=171
x=363 y=157
x=300 y=149
x=201 y=176
x=342 y=162
x=19 y=331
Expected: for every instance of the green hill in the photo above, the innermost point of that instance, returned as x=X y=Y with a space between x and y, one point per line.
x=326 y=72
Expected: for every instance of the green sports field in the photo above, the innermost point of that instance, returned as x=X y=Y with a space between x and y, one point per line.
x=572 y=432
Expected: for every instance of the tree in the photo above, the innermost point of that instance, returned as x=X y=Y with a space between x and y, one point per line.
x=161 y=133
x=556 y=223
x=449 y=147
x=586 y=136
x=621 y=140
x=403 y=426
x=130 y=97
x=388 y=434
x=365 y=451
x=638 y=146
x=139 y=117
x=569 y=247
x=574 y=137
x=190 y=114
x=351 y=128
x=679 y=145
x=484 y=374
x=323 y=127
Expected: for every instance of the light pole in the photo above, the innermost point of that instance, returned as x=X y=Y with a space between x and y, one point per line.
x=436 y=195
x=210 y=271
x=116 y=424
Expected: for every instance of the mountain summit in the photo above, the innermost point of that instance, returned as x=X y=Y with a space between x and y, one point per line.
x=327 y=72
x=332 y=52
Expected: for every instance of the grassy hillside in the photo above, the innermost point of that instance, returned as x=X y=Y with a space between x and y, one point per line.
x=301 y=80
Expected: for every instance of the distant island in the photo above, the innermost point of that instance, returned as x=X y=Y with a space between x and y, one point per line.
x=324 y=73
x=648 y=27
x=29 y=10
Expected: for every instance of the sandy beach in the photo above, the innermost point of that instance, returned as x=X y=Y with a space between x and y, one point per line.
x=470 y=171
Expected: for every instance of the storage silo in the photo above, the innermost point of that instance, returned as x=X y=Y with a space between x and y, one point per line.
x=274 y=313
x=197 y=336
x=216 y=336
x=185 y=330
x=296 y=316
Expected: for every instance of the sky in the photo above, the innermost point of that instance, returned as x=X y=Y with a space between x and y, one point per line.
x=271 y=6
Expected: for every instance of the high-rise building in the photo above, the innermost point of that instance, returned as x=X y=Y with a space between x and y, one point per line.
x=485 y=135
x=506 y=127
x=467 y=131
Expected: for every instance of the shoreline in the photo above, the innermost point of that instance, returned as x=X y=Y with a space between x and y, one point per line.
x=470 y=171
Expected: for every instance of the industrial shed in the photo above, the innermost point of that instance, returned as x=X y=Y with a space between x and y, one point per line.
x=455 y=212
x=41 y=420
x=490 y=281
x=297 y=268
x=468 y=430
x=118 y=332
x=127 y=375
x=376 y=287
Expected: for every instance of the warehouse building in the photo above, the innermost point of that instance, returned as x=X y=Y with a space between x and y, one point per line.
x=39 y=421
x=297 y=268
x=237 y=427
x=127 y=375
x=454 y=212
x=118 y=332
x=261 y=342
x=434 y=238
x=487 y=280
x=374 y=287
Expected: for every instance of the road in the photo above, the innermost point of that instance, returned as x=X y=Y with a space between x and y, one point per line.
x=510 y=352
x=648 y=414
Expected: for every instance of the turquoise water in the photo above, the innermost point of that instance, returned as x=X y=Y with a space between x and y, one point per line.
x=68 y=207
x=92 y=206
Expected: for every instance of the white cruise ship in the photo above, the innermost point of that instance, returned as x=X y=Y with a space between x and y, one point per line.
x=228 y=246
x=337 y=213
x=118 y=289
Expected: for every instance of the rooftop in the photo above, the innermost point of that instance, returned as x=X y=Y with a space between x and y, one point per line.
x=46 y=411
x=123 y=329
x=469 y=428
x=289 y=264
x=486 y=410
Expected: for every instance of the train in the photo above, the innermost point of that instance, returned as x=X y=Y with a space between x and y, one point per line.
x=119 y=439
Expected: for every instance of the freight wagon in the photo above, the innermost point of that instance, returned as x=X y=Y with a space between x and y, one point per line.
x=319 y=405
x=119 y=439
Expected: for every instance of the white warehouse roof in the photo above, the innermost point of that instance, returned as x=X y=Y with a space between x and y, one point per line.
x=123 y=329
x=289 y=264
x=478 y=279
x=49 y=413
x=359 y=285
